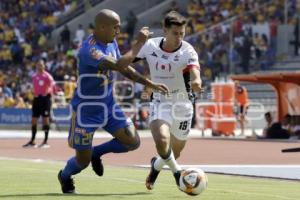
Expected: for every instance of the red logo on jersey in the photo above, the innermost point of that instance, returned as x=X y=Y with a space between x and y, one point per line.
x=163 y=67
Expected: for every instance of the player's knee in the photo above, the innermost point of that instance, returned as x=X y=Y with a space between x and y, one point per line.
x=135 y=145
x=132 y=140
x=130 y=133
x=83 y=158
x=83 y=163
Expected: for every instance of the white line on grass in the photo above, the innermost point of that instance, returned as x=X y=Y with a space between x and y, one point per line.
x=141 y=182
x=166 y=184
x=231 y=166
x=256 y=194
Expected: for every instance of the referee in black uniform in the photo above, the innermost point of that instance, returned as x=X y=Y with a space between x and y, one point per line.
x=43 y=84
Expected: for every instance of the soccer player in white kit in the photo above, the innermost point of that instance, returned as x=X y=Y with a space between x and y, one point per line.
x=173 y=62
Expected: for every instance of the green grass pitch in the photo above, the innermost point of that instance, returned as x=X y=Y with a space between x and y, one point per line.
x=38 y=180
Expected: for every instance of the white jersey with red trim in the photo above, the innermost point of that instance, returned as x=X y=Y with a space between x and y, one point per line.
x=169 y=67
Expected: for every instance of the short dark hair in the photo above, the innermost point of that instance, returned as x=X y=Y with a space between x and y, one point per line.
x=268 y=114
x=174 y=18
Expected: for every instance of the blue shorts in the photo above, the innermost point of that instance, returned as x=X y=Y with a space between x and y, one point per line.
x=91 y=116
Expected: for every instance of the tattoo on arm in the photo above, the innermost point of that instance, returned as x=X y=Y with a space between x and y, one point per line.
x=132 y=74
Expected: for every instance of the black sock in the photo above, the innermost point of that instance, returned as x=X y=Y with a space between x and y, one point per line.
x=33 y=133
x=46 y=129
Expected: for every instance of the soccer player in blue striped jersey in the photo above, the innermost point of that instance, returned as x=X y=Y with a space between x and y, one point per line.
x=93 y=103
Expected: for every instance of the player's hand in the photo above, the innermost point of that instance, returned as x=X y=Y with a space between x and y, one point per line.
x=143 y=35
x=160 y=88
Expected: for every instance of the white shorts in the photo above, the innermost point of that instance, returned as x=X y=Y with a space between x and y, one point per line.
x=178 y=115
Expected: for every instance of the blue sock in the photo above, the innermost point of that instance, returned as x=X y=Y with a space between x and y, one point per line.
x=113 y=146
x=71 y=168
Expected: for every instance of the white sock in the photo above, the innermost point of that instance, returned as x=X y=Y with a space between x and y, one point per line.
x=171 y=162
x=159 y=163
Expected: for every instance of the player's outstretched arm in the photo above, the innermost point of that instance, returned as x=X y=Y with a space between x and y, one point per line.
x=127 y=58
x=110 y=63
x=141 y=39
x=196 y=81
x=129 y=72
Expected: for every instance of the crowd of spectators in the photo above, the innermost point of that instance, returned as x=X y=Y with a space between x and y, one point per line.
x=25 y=27
x=237 y=36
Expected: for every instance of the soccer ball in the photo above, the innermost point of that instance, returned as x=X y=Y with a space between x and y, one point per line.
x=193 y=181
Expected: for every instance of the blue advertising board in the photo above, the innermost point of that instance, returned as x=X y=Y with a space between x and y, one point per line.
x=17 y=116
